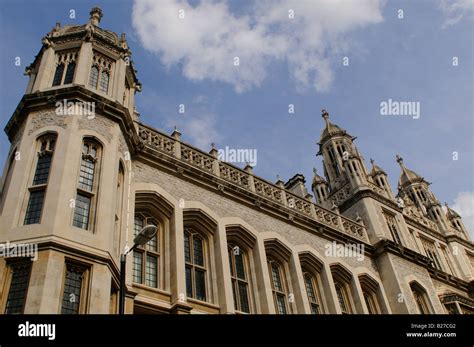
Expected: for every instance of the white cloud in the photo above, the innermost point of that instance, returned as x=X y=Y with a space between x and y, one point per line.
x=455 y=10
x=464 y=205
x=198 y=123
x=210 y=36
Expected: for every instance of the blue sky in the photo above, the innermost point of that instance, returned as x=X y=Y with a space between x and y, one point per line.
x=299 y=61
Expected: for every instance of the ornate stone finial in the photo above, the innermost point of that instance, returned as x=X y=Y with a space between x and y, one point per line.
x=399 y=159
x=248 y=168
x=56 y=28
x=176 y=134
x=123 y=41
x=95 y=16
x=214 y=152
x=372 y=162
x=324 y=114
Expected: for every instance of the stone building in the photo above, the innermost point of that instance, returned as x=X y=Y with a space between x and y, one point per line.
x=84 y=175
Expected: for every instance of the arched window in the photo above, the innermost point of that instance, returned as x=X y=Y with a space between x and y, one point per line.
x=70 y=73
x=101 y=68
x=279 y=286
x=333 y=160
x=312 y=290
x=342 y=284
x=66 y=61
x=370 y=291
x=195 y=256
x=393 y=227
x=146 y=258
x=19 y=277
x=94 y=77
x=343 y=298
x=87 y=187
x=104 y=81
x=431 y=252
x=419 y=294
x=240 y=278
x=370 y=303
x=312 y=268
x=45 y=150
x=58 y=75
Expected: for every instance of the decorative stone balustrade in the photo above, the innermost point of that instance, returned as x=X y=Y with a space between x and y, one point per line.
x=342 y=194
x=204 y=161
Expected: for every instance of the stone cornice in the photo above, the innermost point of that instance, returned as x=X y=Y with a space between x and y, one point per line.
x=452 y=297
x=456 y=238
x=448 y=278
x=74 y=251
x=384 y=246
x=45 y=99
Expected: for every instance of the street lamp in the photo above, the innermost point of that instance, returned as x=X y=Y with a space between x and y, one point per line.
x=145 y=235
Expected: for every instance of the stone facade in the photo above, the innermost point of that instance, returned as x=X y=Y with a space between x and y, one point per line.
x=227 y=241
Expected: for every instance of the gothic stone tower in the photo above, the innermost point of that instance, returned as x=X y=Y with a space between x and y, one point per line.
x=419 y=247
x=71 y=134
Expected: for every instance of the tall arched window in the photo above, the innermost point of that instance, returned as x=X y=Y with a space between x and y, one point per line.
x=370 y=302
x=94 y=76
x=312 y=269
x=19 y=277
x=70 y=73
x=312 y=290
x=101 y=68
x=87 y=187
x=342 y=285
x=66 y=61
x=58 y=75
x=370 y=291
x=240 y=279
x=343 y=298
x=279 y=286
x=104 y=81
x=393 y=227
x=146 y=258
x=37 y=190
x=196 y=267
x=419 y=294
